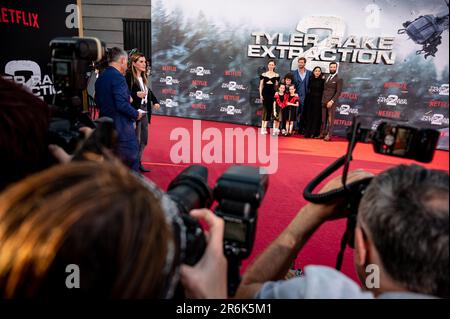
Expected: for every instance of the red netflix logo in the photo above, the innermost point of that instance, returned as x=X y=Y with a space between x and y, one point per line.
x=233 y=73
x=169 y=91
x=389 y=114
x=199 y=106
x=199 y=83
x=170 y=68
x=231 y=97
x=28 y=19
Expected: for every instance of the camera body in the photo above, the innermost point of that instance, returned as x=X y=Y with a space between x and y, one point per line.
x=397 y=139
x=238 y=192
x=70 y=62
x=71 y=59
x=404 y=141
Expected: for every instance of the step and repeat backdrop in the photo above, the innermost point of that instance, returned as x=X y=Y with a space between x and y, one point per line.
x=393 y=56
x=27 y=28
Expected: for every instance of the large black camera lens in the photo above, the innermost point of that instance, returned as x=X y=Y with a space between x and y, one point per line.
x=190 y=190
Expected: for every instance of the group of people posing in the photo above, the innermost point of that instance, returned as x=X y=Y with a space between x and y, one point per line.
x=303 y=101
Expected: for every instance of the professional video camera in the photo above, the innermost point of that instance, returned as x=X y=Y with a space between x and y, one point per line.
x=238 y=192
x=70 y=62
x=388 y=138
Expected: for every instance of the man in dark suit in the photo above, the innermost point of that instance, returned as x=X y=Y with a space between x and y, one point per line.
x=113 y=98
x=331 y=92
x=301 y=82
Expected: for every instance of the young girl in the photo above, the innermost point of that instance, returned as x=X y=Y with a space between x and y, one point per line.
x=288 y=79
x=278 y=104
x=288 y=115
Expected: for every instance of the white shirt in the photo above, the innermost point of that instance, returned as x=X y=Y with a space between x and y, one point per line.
x=143 y=88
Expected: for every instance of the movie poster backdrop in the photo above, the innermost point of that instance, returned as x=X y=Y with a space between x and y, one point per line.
x=207 y=56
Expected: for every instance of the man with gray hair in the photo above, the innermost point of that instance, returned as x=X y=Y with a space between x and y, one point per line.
x=401 y=242
x=113 y=98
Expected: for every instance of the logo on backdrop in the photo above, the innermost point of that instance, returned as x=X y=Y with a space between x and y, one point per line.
x=392 y=100
x=390 y=114
x=199 y=95
x=230 y=110
x=438 y=103
x=169 y=103
x=170 y=68
x=435 y=119
x=25 y=18
x=396 y=85
x=199 y=83
x=200 y=71
x=28 y=73
x=441 y=90
x=336 y=47
x=199 y=106
x=233 y=86
x=345 y=109
x=349 y=96
x=169 y=80
x=232 y=73
x=169 y=91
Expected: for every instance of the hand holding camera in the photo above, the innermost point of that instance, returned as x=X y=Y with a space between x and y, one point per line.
x=196 y=280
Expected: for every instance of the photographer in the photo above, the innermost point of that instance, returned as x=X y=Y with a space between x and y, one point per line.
x=113 y=98
x=24 y=121
x=115 y=227
x=402 y=230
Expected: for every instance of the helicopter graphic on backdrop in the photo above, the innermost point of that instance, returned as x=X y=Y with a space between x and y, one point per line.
x=426 y=30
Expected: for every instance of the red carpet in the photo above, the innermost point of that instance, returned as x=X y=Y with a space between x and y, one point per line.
x=300 y=160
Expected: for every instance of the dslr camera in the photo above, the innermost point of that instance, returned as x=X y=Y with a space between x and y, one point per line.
x=71 y=59
x=388 y=138
x=238 y=193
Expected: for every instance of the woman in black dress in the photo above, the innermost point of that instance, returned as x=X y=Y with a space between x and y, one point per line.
x=267 y=87
x=313 y=104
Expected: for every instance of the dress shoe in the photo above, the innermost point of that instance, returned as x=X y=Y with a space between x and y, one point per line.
x=143 y=169
x=327 y=138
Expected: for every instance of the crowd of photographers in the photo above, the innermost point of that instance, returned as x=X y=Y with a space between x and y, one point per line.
x=126 y=235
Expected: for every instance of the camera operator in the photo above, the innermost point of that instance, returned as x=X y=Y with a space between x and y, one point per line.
x=117 y=228
x=113 y=98
x=402 y=229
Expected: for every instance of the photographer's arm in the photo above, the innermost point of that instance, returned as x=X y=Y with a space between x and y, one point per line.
x=274 y=262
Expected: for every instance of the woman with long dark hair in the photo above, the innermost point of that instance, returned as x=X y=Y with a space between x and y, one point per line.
x=267 y=87
x=313 y=104
x=138 y=84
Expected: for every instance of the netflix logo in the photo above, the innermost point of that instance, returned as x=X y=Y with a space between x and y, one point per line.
x=437 y=103
x=389 y=114
x=342 y=122
x=28 y=19
x=199 y=83
x=233 y=73
x=170 y=68
x=231 y=97
x=169 y=91
x=349 y=96
x=199 y=106
x=398 y=85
